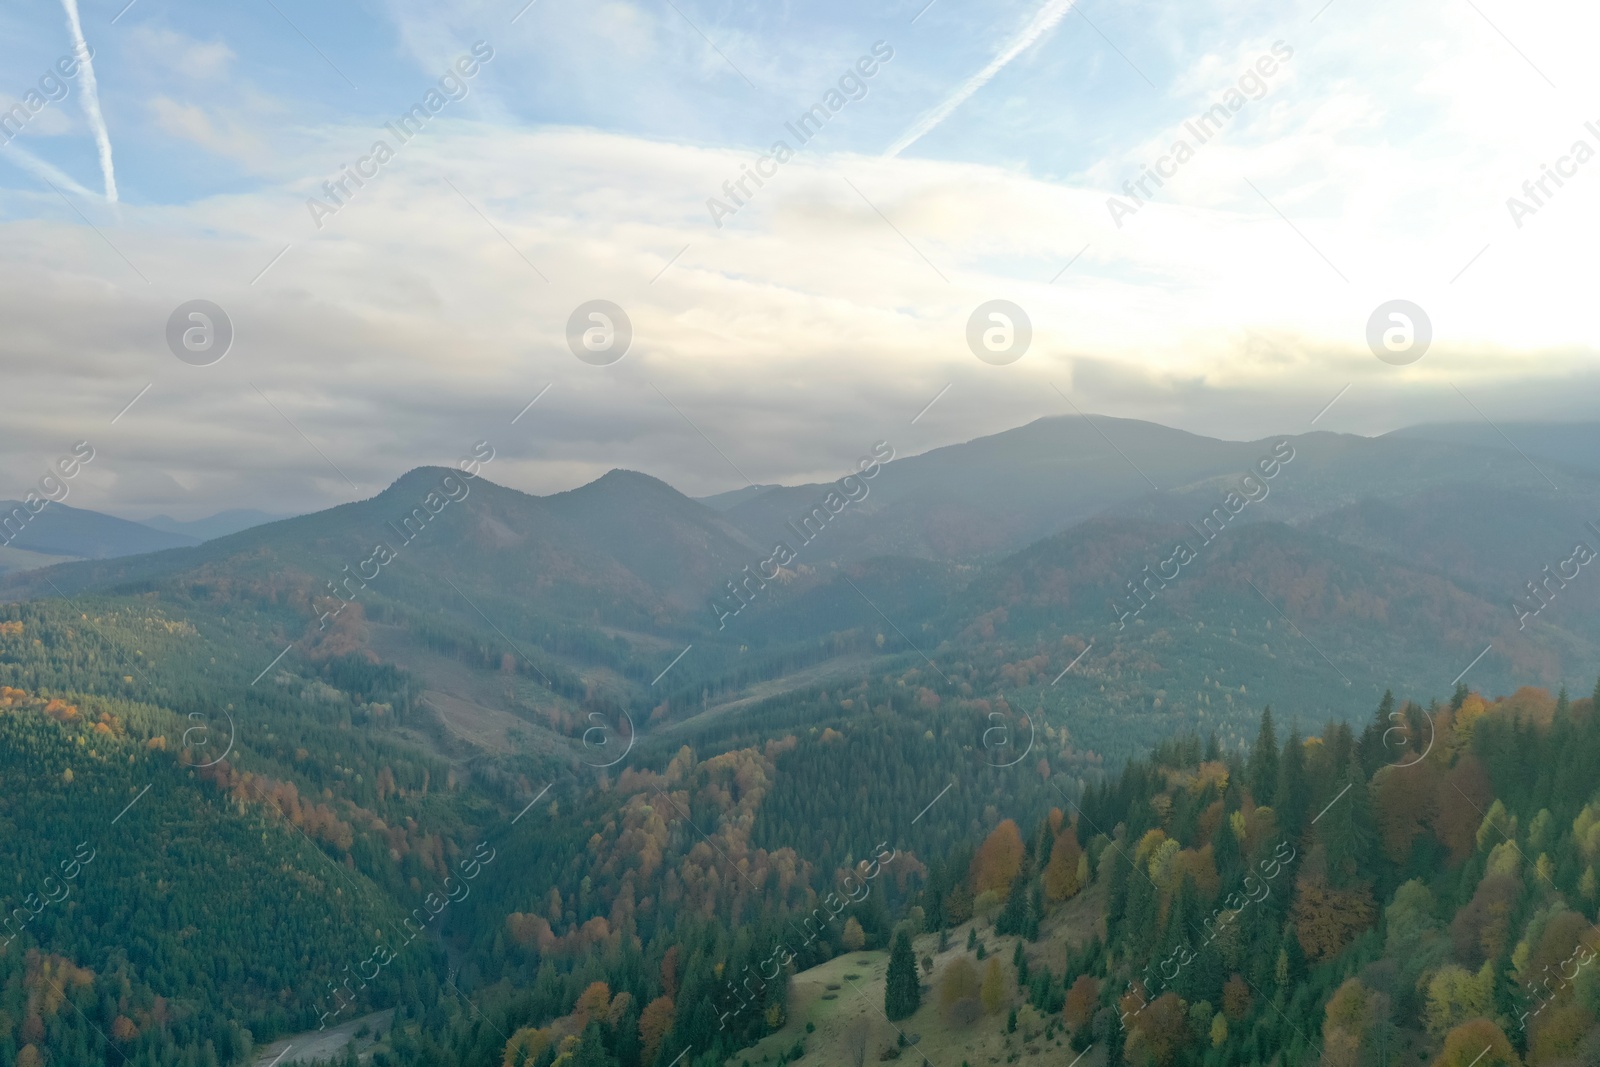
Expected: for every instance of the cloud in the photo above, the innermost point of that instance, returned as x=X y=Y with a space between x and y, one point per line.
x=1044 y=20
x=201 y=60
x=192 y=123
x=408 y=328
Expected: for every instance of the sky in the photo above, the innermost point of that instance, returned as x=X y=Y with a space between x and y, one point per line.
x=1357 y=154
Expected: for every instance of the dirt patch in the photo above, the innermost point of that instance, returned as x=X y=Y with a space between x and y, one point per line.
x=325 y=1044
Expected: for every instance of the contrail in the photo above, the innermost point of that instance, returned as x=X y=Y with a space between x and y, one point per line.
x=40 y=169
x=1043 y=20
x=91 y=99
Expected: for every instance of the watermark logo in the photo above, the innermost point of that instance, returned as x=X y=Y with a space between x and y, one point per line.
x=597 y=740
x=599 y=332
x=199 y=333
x=1211 y=123
x=999 y=332
x=199 y=740
x=852 y=85
x=998 y=746
x=1399 y=332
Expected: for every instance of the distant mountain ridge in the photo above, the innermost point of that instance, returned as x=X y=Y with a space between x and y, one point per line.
x=219 y=525
x=63 y=530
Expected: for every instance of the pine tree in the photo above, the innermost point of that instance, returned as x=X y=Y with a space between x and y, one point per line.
x=902 y=994
x=1264 y=762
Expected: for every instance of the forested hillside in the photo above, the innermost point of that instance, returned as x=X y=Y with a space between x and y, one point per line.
x=515 y=796
x=1422 y=890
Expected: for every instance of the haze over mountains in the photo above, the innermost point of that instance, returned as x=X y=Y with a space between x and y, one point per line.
x=61 y=531
x=1359 y=563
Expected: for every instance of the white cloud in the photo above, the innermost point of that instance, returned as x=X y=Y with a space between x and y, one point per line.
x=807 y=325
x=180 y=53
x=234 y=139
x=407 y=328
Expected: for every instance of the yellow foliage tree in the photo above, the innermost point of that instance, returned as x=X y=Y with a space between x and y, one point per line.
x=994 y=987
x=958 y=984
x=1457 y=996
x=526 y=1046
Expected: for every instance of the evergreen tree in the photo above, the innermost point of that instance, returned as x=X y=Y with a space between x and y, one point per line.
x=1225 y=852
x=1264 y=762
x=1014 y=917
x=902 y=994
x=1347 y=830
x=1293 y=793
x=1373 y=747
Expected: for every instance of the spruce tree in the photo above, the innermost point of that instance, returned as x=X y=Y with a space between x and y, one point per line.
x=1293 y=792
x=902 y=994
x=1264 y=762
x=1348 y=831
x=1014 y=916
x=1374 y=745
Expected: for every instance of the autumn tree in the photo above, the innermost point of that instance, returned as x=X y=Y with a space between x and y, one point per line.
x=1353 y=1018
x=993 y=994
x=1478 y=1043
x=1061 y=873
x=655 y=1023
x=1082 y=1000
x=998 y=860
x=853 y=937
x=1236 y=998
x=1457 y=996
x=1160 y=1032
x=1326 y=919
x=525 y=1047
x=593 y=1003
x=958 y=992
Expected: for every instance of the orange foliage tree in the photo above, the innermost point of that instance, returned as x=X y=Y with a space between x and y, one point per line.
x=1061 y=873
x=1478 y=1043
x=998 y=860
x=1082 y=999
x=655 y=1023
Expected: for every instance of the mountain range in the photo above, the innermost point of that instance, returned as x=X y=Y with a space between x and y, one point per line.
x=1397 y=558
